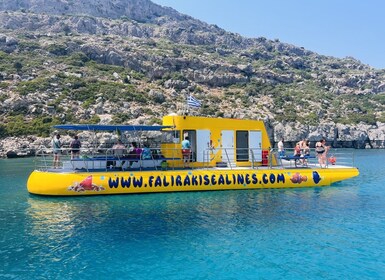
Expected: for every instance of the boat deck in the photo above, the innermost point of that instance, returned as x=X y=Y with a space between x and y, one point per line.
x=108 y=163
x=152 y=169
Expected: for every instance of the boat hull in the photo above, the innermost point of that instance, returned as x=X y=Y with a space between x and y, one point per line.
x=125 y=182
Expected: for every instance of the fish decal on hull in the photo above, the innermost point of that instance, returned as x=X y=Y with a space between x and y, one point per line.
x=316 y=177
x=85 y=185
x=298 y=178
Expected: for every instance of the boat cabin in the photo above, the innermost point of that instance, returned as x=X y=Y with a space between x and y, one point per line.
x=218 y=142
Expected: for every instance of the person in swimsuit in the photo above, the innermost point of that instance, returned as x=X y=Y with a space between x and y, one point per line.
x=321 y=150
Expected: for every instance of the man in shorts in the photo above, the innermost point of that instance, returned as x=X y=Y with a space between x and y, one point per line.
x=186 y=151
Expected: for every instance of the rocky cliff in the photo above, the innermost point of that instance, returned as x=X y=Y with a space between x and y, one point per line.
x=138 y=10
x=132 y=61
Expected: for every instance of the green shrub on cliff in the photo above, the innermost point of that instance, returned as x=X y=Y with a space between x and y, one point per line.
x=38 y=84
x=18 y=126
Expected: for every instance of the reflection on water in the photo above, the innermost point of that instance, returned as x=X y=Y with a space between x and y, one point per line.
x=335 y=230
x=50 y=219
x=138 y=216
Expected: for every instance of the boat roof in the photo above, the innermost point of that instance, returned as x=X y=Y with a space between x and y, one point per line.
x=98 y=127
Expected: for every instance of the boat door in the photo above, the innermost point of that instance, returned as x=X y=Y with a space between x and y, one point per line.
x=255 y=145
x=227 y=145
x=202 y=145
x=242 y=145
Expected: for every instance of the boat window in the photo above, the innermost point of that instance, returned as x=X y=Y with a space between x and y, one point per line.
x=242 y=145
x=171 y=136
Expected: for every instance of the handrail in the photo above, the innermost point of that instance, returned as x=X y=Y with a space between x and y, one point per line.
x=252 y=158
x=342 y=158
x=104 y=159
x=228 y=159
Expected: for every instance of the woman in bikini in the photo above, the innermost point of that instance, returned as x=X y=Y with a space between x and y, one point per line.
x=321 y=150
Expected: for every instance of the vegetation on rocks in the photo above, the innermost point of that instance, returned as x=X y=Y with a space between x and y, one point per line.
x=61 y=67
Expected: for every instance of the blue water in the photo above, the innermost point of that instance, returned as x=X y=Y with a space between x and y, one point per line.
x=335 y=232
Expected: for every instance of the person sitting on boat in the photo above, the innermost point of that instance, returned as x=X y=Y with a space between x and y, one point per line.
x=281 y=148
x=321 y=150
x=119 y=150
x=186 y=151
x=146 y=152
x=134 y=152
x=75 y=147
x=56 y=146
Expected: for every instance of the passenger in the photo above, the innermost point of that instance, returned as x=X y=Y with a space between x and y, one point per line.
x=131 y=149
x=146 y=152
x=119 y=151
x=134 y=152
x=56 y=146
x=281 y=148
x=321 y=150
x=297 y=149
x=302 y=143
x=186 y=151
x=305 y=151
x=75 y=147
x=297 y=153
x=156 y=154
x=306 y=148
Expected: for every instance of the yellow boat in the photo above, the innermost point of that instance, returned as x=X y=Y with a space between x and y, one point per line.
x=225 y=154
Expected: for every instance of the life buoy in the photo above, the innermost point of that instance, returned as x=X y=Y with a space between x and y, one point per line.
x=332 y=160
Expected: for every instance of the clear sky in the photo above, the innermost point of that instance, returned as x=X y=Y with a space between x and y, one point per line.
x=337 y=28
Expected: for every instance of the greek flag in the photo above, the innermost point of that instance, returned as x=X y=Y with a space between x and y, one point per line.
x=192 y=102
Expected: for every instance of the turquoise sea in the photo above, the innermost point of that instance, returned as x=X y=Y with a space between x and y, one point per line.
x=336 y=232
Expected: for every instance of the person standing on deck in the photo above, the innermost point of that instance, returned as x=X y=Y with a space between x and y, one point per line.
x=281 y=148
x=186 y=151
x=75 y=147
x=56 y=146
x=321 y=150
x=305 y=151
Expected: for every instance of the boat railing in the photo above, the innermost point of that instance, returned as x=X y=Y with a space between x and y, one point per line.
x=105 y=159
x=41 y=158
x=90 y=159
x=333 y=158
x=44 y=156
x=232 y=158
x=257 y=158
x=341 y=157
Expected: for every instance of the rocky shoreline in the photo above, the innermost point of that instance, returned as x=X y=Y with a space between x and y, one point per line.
x=361 y=136
x=135 y=61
